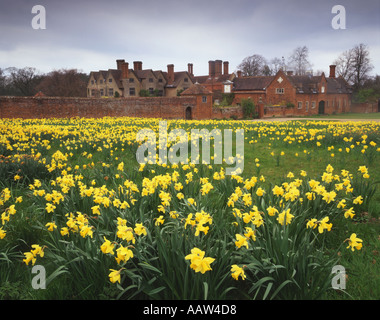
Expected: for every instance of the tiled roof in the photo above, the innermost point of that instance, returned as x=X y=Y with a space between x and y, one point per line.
x=252 y=83
x=207 y=79
x=306 y=83
x=196 y=89
x=178 y=76
x=303 y=84
x=337 y=85
x=143 y=74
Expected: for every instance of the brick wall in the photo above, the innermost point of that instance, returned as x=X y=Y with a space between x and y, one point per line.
x=58 y=107
x=227 y=112
x=365 y=107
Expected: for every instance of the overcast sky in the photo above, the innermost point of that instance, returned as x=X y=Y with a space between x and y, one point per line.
x=90 y=35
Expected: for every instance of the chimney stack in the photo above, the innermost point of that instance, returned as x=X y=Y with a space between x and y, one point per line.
x=218 y=68
x=137 y=65
x=211 y=68
x=332 y=71
x=124 y=70
x=239 y=73
x=190 y=68
x=119 y=63
x=170 y=74
x=225 y=67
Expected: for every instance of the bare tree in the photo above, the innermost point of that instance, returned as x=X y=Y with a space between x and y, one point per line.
x=318 y=72
x=276 y=64
x=299 y=60
x=354 y=65
x=24 y=80
x=253 y=65
x=2 y=82
x=344 y=65
x=267 y=71
x=64 y=83
x=361 y=64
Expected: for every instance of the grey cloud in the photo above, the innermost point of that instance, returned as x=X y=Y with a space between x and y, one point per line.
x=174 y=31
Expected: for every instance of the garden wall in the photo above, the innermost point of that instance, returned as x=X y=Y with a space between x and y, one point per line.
x=227 y=112
x=60 y=107
x=365 y=107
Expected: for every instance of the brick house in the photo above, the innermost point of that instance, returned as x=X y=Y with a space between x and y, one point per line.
x=104 y=83
x=288 y=94
x=203 y=109
x=178 y=81
x=129 y=82
x=218 y=80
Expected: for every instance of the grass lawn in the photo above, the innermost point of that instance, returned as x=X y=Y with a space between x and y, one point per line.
x=361 y=116
x=74 y=187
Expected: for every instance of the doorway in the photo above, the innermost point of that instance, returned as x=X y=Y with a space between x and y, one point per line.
x=321 y=107
x=188 y=113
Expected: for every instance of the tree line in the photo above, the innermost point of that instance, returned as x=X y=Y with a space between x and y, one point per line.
x=354 y=65
x=28 y=81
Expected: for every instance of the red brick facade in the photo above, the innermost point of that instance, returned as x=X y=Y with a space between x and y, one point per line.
x=302 y=95
x=57 y=107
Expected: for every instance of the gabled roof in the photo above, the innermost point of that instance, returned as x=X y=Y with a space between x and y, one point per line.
x=209 y=80
x=116 y=74
x=143 y=74
x=252 y=83
x=338 y=85
x=196 y=89
x=39 y=94
x=178 y=76
x=157 y=73
x=305 y=83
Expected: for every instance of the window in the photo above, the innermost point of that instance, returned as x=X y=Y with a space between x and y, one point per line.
x=280 y=90
x=101 y=92
x=299 y=105
x=101 y=81
x=204 y=99
x=110 y=92
x=93 y=93
x=110 y=80
x=151 y=80
x=132 y=91
x=92 y=81
x=323 y=89
x=307 y=105
x=131 y=80
x=186 y=80
x=151 y=90
x=160 y=80
x=313 y=104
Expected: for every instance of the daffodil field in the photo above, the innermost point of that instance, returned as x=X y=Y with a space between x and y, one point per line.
x=74 y=199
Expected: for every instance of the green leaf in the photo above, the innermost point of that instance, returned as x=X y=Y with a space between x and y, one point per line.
x=147 y=266
x=60 y=270
x=205 y=285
